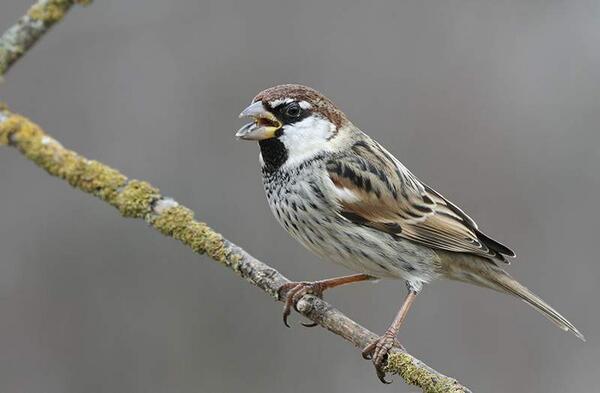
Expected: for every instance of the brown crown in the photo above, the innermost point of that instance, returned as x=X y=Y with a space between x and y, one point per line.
x=319 y=102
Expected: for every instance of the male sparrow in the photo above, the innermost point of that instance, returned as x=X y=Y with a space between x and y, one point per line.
x=347 y=199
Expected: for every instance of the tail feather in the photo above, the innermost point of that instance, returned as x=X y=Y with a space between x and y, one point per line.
x=513 y=287
x=476 y=271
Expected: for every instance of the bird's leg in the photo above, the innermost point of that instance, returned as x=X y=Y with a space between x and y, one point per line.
x=378 y=350
x=292 y=292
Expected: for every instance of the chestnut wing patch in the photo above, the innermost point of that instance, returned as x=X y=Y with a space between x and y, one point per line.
x=376 y=190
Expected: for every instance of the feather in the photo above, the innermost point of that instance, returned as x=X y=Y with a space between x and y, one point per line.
x=374 y=189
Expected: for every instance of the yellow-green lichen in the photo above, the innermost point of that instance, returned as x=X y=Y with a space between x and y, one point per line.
x=178 y=222
x=100 y=180
x=4 y=60
x=8 y=127
x=133 y=199
x=89 y=176
x=136 y=198
x=404 y=365
x=50 y=11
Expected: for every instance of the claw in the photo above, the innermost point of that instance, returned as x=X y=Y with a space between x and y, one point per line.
x=286 y=314
x=377 y=352
x=381 y=376
x=293 y=292
x=289 y=300
x=367 y=352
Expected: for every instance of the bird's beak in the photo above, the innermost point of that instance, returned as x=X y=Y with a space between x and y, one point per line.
x=264 y=126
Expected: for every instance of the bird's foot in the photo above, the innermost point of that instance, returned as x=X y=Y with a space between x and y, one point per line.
x=292 y=292
x=378 y=351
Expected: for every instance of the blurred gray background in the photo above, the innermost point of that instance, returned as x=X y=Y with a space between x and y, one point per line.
x=494 y=103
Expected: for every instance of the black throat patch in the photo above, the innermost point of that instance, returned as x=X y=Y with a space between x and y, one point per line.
x=274 y=154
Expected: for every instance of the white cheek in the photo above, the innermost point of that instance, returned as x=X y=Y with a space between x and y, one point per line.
x=306 y=139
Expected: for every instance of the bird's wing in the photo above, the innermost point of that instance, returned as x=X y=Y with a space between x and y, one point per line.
x=374 y=189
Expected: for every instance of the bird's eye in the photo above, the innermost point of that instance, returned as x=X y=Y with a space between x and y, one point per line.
x=293 y=110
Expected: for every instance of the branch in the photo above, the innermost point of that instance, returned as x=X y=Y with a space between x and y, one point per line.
x=33 y=25
x=139 y=199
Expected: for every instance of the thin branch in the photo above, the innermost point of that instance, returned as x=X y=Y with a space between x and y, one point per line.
x=139 y=199
x=33 y=25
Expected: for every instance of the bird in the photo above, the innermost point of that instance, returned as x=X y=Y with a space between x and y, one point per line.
x=347 y=199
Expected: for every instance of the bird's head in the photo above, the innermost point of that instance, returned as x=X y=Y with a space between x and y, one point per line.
x=295 y=117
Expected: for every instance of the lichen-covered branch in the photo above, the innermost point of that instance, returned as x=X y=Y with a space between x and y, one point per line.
x=139 y=199
x=34 y=24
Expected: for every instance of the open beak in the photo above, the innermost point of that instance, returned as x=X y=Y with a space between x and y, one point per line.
x=263 y=126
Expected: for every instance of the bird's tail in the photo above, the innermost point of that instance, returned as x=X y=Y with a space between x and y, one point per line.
x=482 y=273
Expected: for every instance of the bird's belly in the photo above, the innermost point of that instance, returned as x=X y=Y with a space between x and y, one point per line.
x=311 y=220
x=364 y=250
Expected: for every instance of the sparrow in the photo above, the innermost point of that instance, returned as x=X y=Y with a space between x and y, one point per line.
x=347 y=199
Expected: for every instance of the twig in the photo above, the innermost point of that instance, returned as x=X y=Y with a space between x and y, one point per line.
x=138 y=199
x=34 y=24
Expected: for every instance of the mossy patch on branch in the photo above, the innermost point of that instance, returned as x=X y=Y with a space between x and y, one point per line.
x=90 y=176
x=4 y=60
x=8 y=127
x=100 y=180
x=178 y=222
x=50 y=11
x=404 y=365
x=136 y=198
